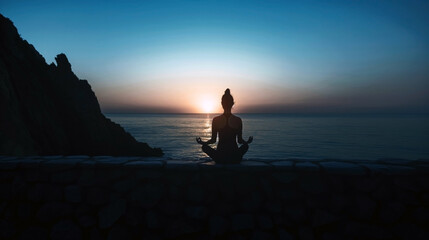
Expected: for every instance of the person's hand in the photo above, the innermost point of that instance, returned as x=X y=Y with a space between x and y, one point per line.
x=250 y=140
x=199 y=141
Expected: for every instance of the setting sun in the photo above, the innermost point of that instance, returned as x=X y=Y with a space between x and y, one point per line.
x=207 y=105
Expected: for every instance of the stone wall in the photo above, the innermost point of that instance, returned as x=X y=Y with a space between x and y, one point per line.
x=79 y=197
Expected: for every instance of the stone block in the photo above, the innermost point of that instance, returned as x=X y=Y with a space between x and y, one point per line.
x=66 y=229
x=265 y=222
x=135 y=216
x=273 y=206
x=124 y=186
x=76 y=157
x=181 y=165
x=322 y=218
x=88 y=163
x=35 y=175
x=313 y=185
x=45 y=192
x=87 y=221
x=365 y=207
x=410 y=231
x=145 y=164
x=284 y=235
x=210 y=165
x=154 y=220
x=307 y=167
x=7 y=229
x=285 y=177
x=242 y=222
x=6 y=191
x=391 y=212
x=171 y=208
x=148 y=174
x=33 y=232
x=261 y=235
x=60 y=164
x=338 y=202
x=196 y=212
x=180 y=227
x=64 y=177
x=8 y=164
x=217 y=225
x=29 y=162
x=421 y=215
x=359 y=230
x=305 y=233
x=112 y=162
x=256 y=165
x=50 y=212
x=109 y=214
x=73 y=193
x=282 y=165
x=343 y=168
x=97 y=196
x=407 y=183
x=120 y=232
x=296 y=213
x=148 y=195
x=195 y=193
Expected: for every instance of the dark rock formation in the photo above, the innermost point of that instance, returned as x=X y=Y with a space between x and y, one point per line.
x=47 y=110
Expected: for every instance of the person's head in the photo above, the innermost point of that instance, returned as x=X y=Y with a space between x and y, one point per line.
x=227 y=100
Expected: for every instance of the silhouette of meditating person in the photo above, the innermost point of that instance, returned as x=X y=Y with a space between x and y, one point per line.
x=230 y=128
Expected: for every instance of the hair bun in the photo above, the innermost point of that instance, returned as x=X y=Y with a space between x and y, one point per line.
x=227 y=92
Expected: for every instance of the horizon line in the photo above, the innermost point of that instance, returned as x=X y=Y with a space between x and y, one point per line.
x=280 y=113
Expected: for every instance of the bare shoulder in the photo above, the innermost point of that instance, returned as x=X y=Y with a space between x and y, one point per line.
x=217 y=118
x=219 y=121
x=235 y=118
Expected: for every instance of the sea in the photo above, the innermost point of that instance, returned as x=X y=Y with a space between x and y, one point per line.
x=285 y=136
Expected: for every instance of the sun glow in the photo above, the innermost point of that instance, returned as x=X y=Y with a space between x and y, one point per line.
x=207 y=106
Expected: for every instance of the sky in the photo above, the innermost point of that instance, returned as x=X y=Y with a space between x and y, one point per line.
x=275 y=56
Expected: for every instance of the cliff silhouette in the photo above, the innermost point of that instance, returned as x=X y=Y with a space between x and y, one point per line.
x=47 y=110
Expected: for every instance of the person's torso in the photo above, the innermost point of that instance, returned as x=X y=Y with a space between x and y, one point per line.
x=228 y=129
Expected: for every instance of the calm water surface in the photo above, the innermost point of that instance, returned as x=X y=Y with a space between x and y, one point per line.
x=279 y=136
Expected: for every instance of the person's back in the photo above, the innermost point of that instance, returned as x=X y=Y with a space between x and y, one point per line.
x=229 y=127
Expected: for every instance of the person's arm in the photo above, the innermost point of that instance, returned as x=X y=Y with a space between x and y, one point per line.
x=240 y=135
x=240 y=139
x=214 y=133
x=213 y=138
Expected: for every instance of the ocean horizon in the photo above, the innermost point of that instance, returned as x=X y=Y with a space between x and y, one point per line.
x=285 y=136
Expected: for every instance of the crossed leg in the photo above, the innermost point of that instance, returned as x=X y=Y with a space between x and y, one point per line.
x=228 y=158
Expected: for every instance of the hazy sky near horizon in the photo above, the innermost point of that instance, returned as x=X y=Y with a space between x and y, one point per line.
x=275 y=56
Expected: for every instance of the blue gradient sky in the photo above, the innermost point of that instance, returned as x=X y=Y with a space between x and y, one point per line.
x=276 y=56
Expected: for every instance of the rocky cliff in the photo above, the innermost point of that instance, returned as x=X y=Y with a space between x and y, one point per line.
x=46 y=110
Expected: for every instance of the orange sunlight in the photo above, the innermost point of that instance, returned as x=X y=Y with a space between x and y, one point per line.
x=207 y=105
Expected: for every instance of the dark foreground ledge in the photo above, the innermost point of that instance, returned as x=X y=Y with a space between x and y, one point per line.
x=80 y=197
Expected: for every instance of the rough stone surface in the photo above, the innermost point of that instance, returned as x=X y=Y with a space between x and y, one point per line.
x=117 y=199
x=307 y=166
x=73 y=193
x=242 y=222
x=111 y=213
x=66 y=230
x=218 y=225
x=343 y=168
